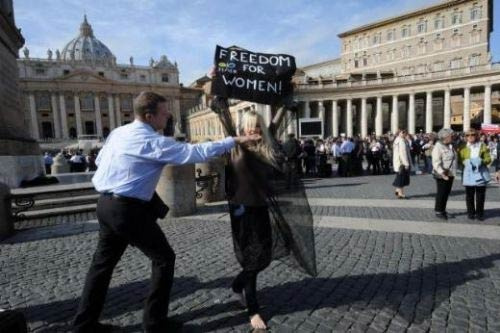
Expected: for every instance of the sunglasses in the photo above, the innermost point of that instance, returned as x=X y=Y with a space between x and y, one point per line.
x=467 y=135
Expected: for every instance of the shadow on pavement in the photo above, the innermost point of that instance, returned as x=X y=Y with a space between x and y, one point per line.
x=412 y=295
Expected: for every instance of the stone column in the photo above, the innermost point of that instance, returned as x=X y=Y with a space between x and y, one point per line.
x=177 y=188
x=349 y=118
x=395 y=114
x=118 y=111
x=321 y=109
x=447 y=109
x=411 y=114
x=428 y=112
x=78 y=115
x=307 y=110
x=34 y=119
x=111 y=112
x=64 y=118
x=466 y=120
x=379 y=125
x=321 y=114
x=98 y=116
x=335 y=119
x=364 y=119
x=487 y=105
x=55 y=115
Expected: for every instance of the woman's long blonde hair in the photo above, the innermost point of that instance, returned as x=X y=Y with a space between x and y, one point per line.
x=264 y=148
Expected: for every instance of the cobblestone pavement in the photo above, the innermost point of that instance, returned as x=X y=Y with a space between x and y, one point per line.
x=369 y=280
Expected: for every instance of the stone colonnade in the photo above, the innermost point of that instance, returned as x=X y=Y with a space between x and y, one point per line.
x=345 y=106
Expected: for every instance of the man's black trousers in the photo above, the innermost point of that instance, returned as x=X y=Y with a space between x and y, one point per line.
x=122 y=222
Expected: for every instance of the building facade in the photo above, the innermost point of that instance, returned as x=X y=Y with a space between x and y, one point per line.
x=82 y=90
x=422 y=71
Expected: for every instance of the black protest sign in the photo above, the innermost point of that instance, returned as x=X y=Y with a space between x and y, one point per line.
x=255 y=77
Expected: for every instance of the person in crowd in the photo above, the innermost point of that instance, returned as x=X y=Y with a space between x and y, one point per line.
x=90 y=161
x=310 y=157
x=346 y=149
x=474 y=159
x=337 y=155
x=129 y=167
x=427 y=148
x=443 y=159
x=357 y=157
x=291 y=149
x=48 y=161
x=401 y=161
x=386 y=156
x=376 y=151
x=77 y=162
x=368 y=154
x=493 y=145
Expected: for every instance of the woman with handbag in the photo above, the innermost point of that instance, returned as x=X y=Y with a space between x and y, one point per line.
x=474 y=158
x=401 y=161
x=443 y=157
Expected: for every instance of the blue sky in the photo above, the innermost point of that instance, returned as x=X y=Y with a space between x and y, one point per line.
x=188 y=30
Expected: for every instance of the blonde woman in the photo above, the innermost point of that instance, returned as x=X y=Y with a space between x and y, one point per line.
x=252 y=166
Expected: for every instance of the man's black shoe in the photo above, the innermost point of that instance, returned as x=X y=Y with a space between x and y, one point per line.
x=168 y=326
x=442 y=215
x=472 y=217
x=480 y=218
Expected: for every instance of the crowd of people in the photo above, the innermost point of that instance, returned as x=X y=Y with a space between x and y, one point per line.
x=347 y=157
x=77 y=160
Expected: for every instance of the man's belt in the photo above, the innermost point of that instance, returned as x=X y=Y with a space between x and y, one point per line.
x=123 y=199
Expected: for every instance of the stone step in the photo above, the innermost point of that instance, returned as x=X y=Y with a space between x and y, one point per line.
x=65 y=201
x=66 y=210
x=55 y=191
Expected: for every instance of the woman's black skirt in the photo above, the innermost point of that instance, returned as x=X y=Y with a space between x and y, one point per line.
x=402 y=179
x=252 y=236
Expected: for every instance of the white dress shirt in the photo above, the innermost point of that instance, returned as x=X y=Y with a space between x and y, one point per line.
x=131 y=161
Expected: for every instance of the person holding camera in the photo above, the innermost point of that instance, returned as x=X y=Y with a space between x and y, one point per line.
x=443 y=158
x=474 y=159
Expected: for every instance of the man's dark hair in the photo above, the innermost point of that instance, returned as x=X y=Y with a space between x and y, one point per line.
x=147 y=102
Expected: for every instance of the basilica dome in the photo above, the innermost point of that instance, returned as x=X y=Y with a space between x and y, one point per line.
x=86 y=47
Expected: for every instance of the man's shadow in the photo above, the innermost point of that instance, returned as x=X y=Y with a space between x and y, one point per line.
x=412 y=295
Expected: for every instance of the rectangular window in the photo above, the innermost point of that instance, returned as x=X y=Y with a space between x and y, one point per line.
x=421 y=27
x=66 y=71
x=390 y=35
x=40 y=71
x=405 y=32
x=474 y=60
x=456 y=63
x=123 y=76
x=439 y=23
x=101 y=74
x=456 y=18
x=356 y=63
x=143 y=78
x=164 y=78
x=475 y=13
